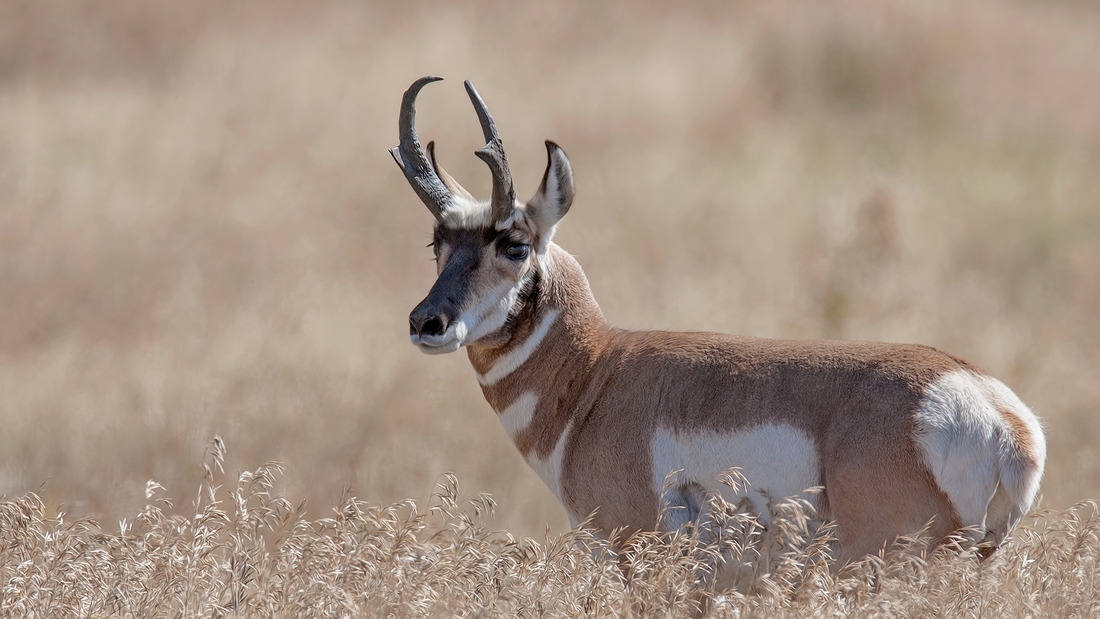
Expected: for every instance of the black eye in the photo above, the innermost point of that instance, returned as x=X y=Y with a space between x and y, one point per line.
x=517 y=251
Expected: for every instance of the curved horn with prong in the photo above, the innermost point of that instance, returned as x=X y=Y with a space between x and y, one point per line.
x=504 y=194
x=412 y=159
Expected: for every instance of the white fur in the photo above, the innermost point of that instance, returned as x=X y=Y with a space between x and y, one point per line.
x=552 y=194
x=489 y=314
x=549 y=470
x=436 y=345
x=470 y=214
x=517 y=214
x=970 y=449
x=517 y=417
x=467 y=213
x=778 y=461
x=519 y=413
x=515 y=357
x=1010 y=475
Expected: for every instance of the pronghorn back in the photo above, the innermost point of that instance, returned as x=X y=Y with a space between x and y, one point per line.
x=896 y=435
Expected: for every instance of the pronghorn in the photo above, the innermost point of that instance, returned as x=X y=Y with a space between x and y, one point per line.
x=896 y=435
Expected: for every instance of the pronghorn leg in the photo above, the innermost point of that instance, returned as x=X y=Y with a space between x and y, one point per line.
x=573 y=522
x=689 y=504
x=681 y=504
x=728 y=570
x=1002 y=518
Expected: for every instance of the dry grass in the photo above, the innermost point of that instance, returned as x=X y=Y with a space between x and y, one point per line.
x=201 y=231
x=245 y=550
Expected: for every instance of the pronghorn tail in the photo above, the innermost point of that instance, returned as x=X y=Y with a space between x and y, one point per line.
x=985 y=449
x=1019 y=464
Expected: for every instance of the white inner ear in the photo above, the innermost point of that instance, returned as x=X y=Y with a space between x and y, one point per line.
x=545 y=210
x=552 y=198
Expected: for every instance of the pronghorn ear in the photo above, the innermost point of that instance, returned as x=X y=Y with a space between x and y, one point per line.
x=555 y=195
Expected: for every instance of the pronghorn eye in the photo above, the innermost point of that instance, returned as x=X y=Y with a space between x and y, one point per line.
x=518 y=251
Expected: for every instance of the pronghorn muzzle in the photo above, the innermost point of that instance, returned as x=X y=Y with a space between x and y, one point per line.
x=430 y=325
x=434 y=324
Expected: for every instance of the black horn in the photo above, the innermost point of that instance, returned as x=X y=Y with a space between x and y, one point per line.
x=504 y=194
x=412 y=159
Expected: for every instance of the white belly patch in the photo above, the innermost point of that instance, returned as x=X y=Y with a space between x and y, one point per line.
x=778 y=461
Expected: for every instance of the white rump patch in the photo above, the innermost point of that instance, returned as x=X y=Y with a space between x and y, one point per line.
x=515 y=357
x=969 y=447
x=519 y=413
x=778 y=460
x=1004 y=396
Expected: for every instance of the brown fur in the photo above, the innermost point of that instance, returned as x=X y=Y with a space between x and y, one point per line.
x=1021 y=433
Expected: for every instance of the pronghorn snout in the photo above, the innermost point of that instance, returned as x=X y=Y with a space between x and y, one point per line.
x=423 y=322
x=432 y=327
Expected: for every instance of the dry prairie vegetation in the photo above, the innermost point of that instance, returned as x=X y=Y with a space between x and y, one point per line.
x=248 y=551
x=201 y=233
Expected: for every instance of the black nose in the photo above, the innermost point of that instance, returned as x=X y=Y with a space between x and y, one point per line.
x=426 y=323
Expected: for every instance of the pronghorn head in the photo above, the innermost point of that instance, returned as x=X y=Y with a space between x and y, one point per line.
x=489 y=254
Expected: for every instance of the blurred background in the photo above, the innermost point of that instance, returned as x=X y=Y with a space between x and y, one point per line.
x=201 y=231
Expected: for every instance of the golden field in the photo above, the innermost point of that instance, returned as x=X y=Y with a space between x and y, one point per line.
x=202 y=232
x=244 y=550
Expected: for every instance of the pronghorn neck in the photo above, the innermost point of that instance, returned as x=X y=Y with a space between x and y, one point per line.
x=532 y=380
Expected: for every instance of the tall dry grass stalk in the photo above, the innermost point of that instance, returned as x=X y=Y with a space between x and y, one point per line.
x=244 y=550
